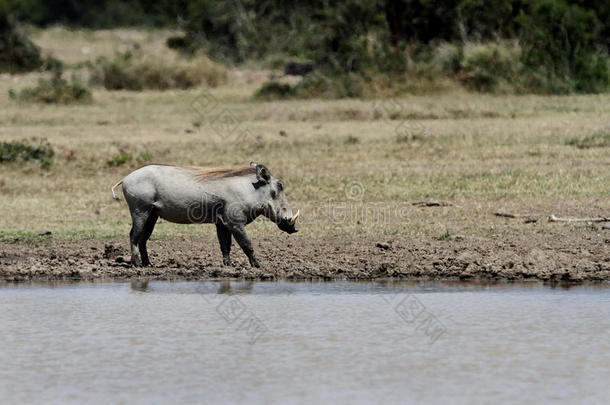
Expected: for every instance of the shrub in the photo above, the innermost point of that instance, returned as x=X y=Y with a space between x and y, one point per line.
x=55 y=91
x=119 y=159
x=124 y=156
x=274 y=91
x=124 y=72
x=17 y=52
x=562 y=49
x=20 y=151
x=491 y=68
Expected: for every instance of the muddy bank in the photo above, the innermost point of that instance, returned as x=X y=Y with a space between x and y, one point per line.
x=568 y=257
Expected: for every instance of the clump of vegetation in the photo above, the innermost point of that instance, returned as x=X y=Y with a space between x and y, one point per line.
x=54 y=91
x=598 y=139
x=565 y=47
x=119 y=159
x=130 y=71
x=124 y=157
x=491 y=68
x=22 y=151
x=444 y=236
x=274 y=91
x=352 y=140
x=410 y=136
x=317 y=85
x=17 y=52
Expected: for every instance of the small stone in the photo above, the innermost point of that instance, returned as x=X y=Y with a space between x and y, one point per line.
x=606 y=225
x=530 y=220
x=382 y=245
x=45 y=233
x=283 y=133
x=119 y=259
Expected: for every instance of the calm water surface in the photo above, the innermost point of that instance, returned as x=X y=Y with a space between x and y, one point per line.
x=341 y=342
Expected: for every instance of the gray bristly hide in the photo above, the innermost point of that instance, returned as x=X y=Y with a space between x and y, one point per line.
x=229 y=198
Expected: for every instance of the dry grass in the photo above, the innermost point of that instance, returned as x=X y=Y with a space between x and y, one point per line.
x=484 y=153
x=79 y=46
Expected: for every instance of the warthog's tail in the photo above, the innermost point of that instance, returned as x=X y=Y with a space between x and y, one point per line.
x=115 y=186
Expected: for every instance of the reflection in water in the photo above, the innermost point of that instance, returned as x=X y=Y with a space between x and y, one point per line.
x=243 y=288
x=338 y=342
x=140 y=285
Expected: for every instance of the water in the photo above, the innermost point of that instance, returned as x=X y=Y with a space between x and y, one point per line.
x=340 y=342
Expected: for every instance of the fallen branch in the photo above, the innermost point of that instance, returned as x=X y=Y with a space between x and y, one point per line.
x=553 y=218
x=507 y=215
x=434 y=203
x=528 y=218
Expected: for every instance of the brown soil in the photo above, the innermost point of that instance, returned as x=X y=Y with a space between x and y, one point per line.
x=572 y=257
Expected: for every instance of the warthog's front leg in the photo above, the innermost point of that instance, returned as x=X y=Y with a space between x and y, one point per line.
x=242 y=238
x=224 y=238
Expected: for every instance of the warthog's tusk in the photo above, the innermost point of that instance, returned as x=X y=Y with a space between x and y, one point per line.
x=294 y=218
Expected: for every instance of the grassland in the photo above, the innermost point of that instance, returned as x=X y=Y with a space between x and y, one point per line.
x=353 y=167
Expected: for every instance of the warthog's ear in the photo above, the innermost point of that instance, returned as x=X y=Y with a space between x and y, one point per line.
x=262 y=173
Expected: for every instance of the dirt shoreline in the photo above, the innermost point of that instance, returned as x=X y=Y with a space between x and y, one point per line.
x=573 y=257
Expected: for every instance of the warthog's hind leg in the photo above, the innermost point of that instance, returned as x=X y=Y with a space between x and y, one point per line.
x=139 y=234
x=149 y=225
x=133 y=238
x=224 y=238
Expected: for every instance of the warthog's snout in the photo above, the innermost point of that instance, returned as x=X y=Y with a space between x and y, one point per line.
x=287 y=225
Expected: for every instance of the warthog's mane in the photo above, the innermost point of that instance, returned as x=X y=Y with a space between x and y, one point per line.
x=211 y=173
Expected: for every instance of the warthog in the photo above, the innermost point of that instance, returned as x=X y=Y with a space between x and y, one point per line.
x=229 y=198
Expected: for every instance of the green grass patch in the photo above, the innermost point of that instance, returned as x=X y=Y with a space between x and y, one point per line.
x=19 y=151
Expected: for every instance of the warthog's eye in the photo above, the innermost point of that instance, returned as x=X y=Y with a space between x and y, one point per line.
x=273 y=194
x=280 y=186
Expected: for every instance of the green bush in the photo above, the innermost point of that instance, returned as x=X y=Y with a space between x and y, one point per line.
x=562 y=49
x=55 y=91
x=119 y=159
x=20 y=151
x=17 y=52
x=125 y=156
x=274 y=91
x=491 y=68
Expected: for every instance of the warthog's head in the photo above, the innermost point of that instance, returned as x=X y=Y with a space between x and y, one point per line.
x=277 y=208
